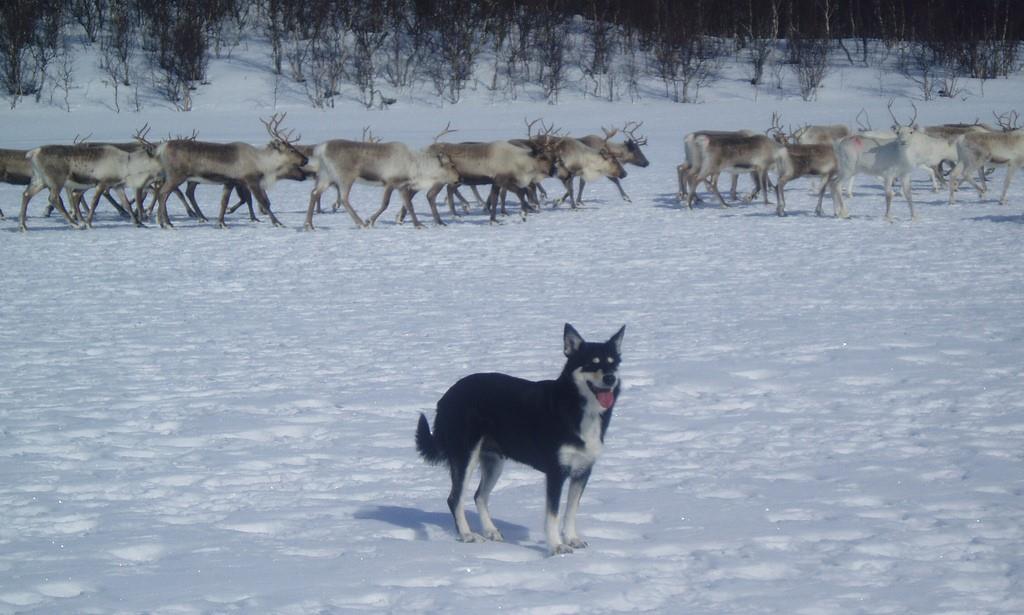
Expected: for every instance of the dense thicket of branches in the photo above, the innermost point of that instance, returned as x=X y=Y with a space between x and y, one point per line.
x=601 y=47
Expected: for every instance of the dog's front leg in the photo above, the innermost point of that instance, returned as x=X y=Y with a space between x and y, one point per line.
x=577 y=483
x=555 y=479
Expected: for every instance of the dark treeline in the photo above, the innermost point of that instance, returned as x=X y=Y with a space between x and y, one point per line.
x=602 y=47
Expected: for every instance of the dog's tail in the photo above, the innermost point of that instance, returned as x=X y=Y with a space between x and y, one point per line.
x=426 y=444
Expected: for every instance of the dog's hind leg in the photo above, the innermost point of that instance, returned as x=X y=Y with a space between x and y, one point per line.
x=555 y=479
x=577 y=483
x=491 y=464
x=462 y=469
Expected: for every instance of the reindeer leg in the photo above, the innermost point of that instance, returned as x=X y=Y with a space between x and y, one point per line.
x=140 y=195
x=407 y=195
x=909 y=195
x=449 y=200
x=780 y=191
x=100 y=189
x=887 y=182
x=120 y=210
x=524 y=206
x=225 y=197
x=55 y=200
x=567 y=183
x=190 y=192
x=245 y=196
x=264 y=201
x=825 y=183
x=622 y=192
x=348 y=207
x=476 y=194
x=75 y=198
x=714 y=187
x=681 y=173
x=314 y=199
x=30 y=191
x=492 y=202
x=431 y=199
x=384 y=202
x=1010 y=170
x=837 y=200
x=161 y=212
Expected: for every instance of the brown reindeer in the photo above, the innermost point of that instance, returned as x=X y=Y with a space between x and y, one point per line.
x=626 y=152
x=341 y=163
x=83 y=166
x=256 y=169
x=14 y=169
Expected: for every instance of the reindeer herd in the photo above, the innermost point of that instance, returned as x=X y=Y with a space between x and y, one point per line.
x=516 y=165
x=832 y=153
x=836 y=155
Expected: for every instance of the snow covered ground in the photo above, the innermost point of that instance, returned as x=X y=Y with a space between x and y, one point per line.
x=818 y=416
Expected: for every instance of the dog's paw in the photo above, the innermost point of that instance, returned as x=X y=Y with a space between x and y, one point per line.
x=494 y=535
x=577 y=543
x=471 y=537
x=561 y=549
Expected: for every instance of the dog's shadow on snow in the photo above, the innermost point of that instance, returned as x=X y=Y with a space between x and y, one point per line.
x=419 y=520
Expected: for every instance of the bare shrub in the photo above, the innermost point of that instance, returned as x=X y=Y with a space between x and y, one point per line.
x=811 y=66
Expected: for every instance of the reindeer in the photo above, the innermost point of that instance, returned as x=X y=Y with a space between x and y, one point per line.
x=977 y=149
x=14 y=169
x=583 y=161
x=257 y=169
x=83 y=166
x=517 y=166
x=708 y=155
x=794 y=160
x=887 y=159
x=692 y=163
x=627 y=152
x=341 y=163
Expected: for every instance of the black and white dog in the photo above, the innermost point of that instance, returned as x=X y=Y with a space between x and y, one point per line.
x=555 y=426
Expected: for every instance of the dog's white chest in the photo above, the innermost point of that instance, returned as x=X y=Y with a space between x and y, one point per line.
x=578 y=458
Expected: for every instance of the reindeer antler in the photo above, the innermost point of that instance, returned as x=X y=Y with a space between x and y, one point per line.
x=630 y=129
x=181 y=137
x=775 y=131
x=861 y=125
x=529 y=127
x=895 y=122
x=369 y=137
x=274 y=128
x=1008 y=121
x=78 y=140
x=447 y=130
x=140 y=136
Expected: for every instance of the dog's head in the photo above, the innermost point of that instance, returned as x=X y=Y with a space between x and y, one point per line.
x=594 y=365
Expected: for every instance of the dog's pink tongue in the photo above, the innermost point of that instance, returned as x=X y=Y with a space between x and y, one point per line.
x=606 y=399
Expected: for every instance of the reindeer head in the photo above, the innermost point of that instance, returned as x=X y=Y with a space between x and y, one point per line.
x=903 y=131
x=140 y=137
x=634 y=143
x=284 y=142
x=776 y=132
x=448 y=167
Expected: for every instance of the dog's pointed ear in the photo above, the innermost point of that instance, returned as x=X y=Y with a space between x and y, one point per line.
x=617 y=339
x=572 y=339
